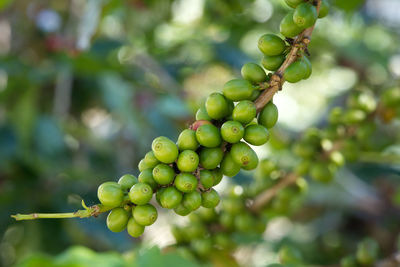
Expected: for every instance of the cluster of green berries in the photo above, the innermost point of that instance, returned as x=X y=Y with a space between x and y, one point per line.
x=366 y=254
x=275 y=49
x=182 y=174
x=215 y=230
x=323 y=151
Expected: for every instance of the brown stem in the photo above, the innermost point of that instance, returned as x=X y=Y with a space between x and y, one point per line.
x=265 y=197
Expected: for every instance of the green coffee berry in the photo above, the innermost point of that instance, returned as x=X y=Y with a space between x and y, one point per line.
x=305 y=15
x=206 y=178
x=187 y=140
x=244 y=222
x=227 y=220
x=354 y=116
x=110 y=194
x=294 y=3
x=232 y=132
x=163 y=174
x=268 y=115
x=273 y=62
x=349 y=261
x=210 y=158
x=309 y=67
x=164 y=149
x=271 y=45
x=233 y=205
x=182 y=210
x=201 y=114
x=253 y=73
x=150 y=159
x=367 y=252
x=140 y=194
x=324 y=9
x=297 y=71
x=159 y=193
x=202 y=246
x=134 y=229
x=217 y=174
x=192 y=200
x=243 y=155
x=210 y=199
x=188 y=160
x=127 y=181
x=146 y=177
x=217 y=107
x=208 y=135
x=256 y=135
x=244 y=112
x=185 y=182
x=117 y=219
x=145 y=214
x=321 y=172
x=170 y=198
x=237 y=90
x=228 y=166
x=143 y=165
x=288 y=27
x=254 y=96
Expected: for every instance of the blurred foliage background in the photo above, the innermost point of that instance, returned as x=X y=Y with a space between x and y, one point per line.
x=85 y=85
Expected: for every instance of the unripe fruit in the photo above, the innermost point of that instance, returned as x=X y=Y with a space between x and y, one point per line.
x=210 y=199
x=143 y=165
x=305 y=15
x=294 y=3
x=146 y=177
x=255 y=95
x=349 y=261
x=271 y=45
x=117 y=220
x=268 y=115
x=238 y=89
x=206 y=178
x=182 y=210
x=210 y=158
x=217 y=173
x=321 y=172
x=159 y=193
x=233 y=205
x=273 y=62
x=223 y=241
x=244 y=222
x=232 y=131
x=324 y=9
x=192 y=200
x=134 y=229
x=185 y=182
x=150 y=159
x=140 y=194
x=288 y=28
x=354 y=116
x=227 y=220
x=208 y=135
x=187 y=140
x=188 y=161
x=164 y=149
x=256 y=135
x=217 y=106
x=127 y=181
x=170 y=198
x=145 y=214
x=253 y=73
x=367 y=252
x=202 y=246
x=201 y=114
x=297 y=71
x=244 y=112
x=309 y=67
x=195 y=230
x=163 y=174
x=110 y=194
x=228 y=166
x=243 y=155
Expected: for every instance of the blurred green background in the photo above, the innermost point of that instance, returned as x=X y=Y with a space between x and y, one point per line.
x=85 y=85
